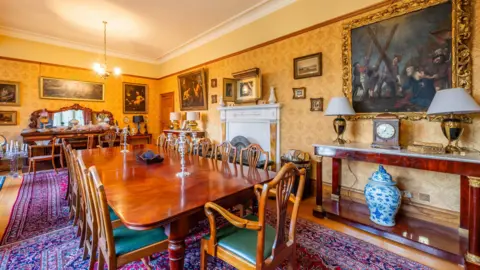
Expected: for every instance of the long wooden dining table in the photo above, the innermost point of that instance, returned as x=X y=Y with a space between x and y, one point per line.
x=148 y=196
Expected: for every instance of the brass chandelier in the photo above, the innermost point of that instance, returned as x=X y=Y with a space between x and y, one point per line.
x=101 y=69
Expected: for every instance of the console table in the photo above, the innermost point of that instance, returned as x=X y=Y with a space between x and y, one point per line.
x=438 y=240
x=200 y=133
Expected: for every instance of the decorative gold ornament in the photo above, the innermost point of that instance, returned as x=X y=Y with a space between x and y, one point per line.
x=474 y=181
x=461 y=50
x=472 y=258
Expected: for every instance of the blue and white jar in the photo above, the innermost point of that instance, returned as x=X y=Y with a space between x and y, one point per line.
x=383 y=198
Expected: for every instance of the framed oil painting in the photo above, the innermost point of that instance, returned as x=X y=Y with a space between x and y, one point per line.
x=53 y=88
x=8 y=118
x=307 y=66
x=9 y=93
x=193 y=91
x=229 y=89
x=248 y=85
x=397 y=59
x=135 y=98
x=316 y=104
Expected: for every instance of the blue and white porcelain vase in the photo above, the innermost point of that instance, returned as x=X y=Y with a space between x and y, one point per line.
x=383 y=198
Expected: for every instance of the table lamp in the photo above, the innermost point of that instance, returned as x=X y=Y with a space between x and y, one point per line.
x=138 y=119
x=339 y=106
x=175 y=117
x=192 y=117
x=451 y=102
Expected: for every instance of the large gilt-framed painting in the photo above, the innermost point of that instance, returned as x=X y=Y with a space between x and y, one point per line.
x=9 y=93
x=54 y=88
x=396 y=59
x=193 y=91
x=135 y=98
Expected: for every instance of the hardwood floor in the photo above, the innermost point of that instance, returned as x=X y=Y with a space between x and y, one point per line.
x=9 y=192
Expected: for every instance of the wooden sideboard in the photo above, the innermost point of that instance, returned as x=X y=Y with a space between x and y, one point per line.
x=438 y=240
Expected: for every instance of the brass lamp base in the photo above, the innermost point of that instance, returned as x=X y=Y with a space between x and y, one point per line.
x=339 y=125
x=192 y=125
x=176 y=125
x=452 y=130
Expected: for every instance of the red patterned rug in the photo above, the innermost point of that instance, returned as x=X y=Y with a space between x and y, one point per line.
x=38 y=237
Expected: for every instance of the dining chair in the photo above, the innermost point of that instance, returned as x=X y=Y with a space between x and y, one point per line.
x=252 y=154
x=76 y=205
x=121 y=245
x=70 y=173
x=108 y=137
x=90 y=141
x=32 y=160
x=225 y=150
x=202 y=148
x=162 y=140
x=250 y=242
x=89 y=236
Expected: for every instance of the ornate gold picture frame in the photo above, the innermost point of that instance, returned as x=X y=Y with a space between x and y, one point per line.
x=401 y=15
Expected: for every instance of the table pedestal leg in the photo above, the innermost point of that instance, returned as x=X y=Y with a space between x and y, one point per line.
x=472 y=258
x=177 y=232
x=318 y=210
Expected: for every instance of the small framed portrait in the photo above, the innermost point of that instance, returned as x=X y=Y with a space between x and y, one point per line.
x=249 y=85
x=316 y=104
x=8 y=118
x=214 y=99
x=9 y=93
x=299 y=93
x=307 y=66
x=229 y=89
x=135 y=98
x=213 y=83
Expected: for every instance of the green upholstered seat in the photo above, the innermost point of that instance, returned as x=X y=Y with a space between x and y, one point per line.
x=127 y=240
x=113 y=216
x=243 y=242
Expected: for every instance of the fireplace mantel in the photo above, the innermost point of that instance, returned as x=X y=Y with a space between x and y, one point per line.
x=258 y=123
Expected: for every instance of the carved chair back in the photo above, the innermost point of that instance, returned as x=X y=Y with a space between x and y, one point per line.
x=162 y=140
x=281 y=186
x=106 y=245
x=252 y=154
x=108 y=137
x=202 y=147
x=90 y=141
x=226 y=151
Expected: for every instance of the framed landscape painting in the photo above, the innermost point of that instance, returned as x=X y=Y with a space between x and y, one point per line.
x=9 y=93
x=307 y=66
x=193 y=91
x=53 y=88
x=398 y=58
x=8 y=118
x=135 y=98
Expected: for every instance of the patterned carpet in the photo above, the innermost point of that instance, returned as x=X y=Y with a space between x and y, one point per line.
x=39 y=236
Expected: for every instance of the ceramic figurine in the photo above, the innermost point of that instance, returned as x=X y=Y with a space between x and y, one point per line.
x=383 y=198
x=221 y=102
x=272 y=99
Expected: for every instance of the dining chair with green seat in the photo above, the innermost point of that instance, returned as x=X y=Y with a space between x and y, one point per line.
x=121 y=245
x=162 y=140
x=33 y=160
x=251 y=155
x=89 y=240
x=70 y=172
x=251 y=243
x=108 y=138
x=226 y=152
x=75 y=200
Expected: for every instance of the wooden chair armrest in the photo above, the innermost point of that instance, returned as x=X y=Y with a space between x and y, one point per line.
x=231 y=218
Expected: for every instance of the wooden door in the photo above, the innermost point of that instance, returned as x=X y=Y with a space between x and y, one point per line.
x=166 y=107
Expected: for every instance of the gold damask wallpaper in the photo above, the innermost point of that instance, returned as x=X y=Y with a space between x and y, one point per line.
x=28 y=74
x=300 y=128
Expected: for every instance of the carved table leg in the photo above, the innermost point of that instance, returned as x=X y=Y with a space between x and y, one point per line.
x=336 y=178
x=177 y=232
x=472 y=258
x=318 y=210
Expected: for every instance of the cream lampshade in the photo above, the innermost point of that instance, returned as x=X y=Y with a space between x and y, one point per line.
x=450 y=102
x=175 y=117
x=339 y=106
x=192 y=117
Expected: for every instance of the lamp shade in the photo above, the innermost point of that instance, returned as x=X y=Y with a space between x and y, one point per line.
x=453 y=101
x=138 y=119
x=193 y=116
x=175 y=116
x=339 y=106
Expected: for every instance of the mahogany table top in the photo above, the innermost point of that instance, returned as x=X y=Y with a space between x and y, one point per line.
x=146 y=196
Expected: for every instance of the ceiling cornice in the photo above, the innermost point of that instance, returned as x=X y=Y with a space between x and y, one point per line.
x=21 y=34
x=250 y=15
x=256 y=12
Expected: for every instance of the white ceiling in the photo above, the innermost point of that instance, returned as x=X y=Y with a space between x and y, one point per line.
x=144 y=30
